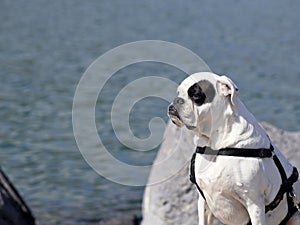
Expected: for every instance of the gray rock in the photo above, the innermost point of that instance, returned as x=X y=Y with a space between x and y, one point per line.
x=174 y=200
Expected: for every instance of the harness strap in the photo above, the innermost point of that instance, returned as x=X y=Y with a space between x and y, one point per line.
x=291 y=210
x=238 y=152
x=286 y=186
x=192 y=175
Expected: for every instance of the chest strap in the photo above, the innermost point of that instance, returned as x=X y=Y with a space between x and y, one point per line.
x=193 y=176
x=238 y=152
x=285 y=188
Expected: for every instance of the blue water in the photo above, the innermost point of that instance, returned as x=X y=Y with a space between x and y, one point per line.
x=45 y=47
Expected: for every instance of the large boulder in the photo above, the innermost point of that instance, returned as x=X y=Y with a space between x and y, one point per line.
x=174 y=200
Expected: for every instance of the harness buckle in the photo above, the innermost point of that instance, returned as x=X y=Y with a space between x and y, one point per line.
x=295 y=200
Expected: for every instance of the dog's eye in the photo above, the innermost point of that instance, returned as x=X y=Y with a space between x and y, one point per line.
x=199 y=99
x=196 y=95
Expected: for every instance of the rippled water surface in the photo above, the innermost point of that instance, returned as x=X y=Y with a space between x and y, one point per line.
x=45 y=46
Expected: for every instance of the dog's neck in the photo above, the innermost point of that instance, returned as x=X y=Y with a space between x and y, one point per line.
x=237 y=128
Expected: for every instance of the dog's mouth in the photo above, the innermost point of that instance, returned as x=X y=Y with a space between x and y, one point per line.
x=174 y=116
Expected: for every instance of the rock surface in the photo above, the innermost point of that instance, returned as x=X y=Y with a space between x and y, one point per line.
x=13 y=210
x=174 y=201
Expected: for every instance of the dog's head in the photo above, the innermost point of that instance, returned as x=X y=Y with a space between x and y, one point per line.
x=201 y=97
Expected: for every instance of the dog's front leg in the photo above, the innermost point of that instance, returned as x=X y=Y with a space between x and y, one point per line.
x=201 y=211
x=256 y=212
x=205 y=215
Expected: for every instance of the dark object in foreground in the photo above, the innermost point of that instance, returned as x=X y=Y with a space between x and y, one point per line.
x=125 y=220
x=13 y=209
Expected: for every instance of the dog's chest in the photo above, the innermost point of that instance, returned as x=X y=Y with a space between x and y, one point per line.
x=225 y=181
x=224 y=172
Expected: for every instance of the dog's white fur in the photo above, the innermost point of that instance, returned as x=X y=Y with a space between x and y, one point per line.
x=235 y=188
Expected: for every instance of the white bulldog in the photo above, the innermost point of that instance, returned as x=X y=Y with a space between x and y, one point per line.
x=236 y=189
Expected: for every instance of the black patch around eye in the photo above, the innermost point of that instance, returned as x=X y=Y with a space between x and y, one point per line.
x=196 y=95
x=202 y=92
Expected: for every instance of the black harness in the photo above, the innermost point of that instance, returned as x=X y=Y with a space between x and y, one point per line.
x=285 y=188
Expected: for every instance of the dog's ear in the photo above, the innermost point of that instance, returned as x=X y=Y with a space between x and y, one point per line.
x=226 y=87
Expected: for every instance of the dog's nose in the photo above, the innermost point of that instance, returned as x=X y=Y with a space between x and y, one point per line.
x=178 y=101
x=172 y=108
x=173 y=111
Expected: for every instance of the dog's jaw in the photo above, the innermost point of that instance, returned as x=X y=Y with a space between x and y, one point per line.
x=176 y=121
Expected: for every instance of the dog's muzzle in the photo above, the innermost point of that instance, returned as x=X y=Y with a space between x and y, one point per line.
x=174 y=116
